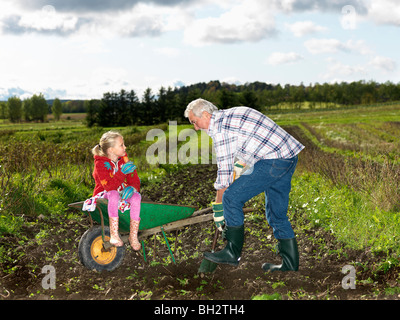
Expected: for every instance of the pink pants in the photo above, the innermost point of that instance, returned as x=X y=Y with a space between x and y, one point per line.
x=113 y=199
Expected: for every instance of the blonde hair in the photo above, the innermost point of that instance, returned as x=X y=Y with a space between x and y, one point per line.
x=107 y=141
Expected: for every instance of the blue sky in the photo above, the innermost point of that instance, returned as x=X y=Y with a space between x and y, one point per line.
x=80 y=49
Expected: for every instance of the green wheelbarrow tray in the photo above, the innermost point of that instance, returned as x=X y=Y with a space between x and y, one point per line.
x=151 y=214
x=154 y=218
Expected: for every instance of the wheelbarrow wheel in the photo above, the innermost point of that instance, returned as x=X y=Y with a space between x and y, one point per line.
x=92 y=253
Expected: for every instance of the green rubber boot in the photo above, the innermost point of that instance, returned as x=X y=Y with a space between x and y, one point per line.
x=231 y=253
x=287 y=249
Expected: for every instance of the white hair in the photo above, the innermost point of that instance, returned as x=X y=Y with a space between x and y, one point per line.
x=198 y=106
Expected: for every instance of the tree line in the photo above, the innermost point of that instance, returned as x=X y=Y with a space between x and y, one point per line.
x=126 y=108
x=35 y=108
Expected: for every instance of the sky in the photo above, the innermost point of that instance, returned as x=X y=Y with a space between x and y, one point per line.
x=80 y=49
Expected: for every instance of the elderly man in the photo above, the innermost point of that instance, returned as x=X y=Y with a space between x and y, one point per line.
x=254 y=155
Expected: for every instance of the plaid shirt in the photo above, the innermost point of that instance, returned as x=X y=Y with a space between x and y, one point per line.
x=247 y=135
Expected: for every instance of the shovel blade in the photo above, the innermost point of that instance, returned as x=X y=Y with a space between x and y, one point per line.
x=207 y=266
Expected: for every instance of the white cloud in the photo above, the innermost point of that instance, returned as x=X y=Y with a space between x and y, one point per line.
x=359 y=46
x=231 y=80
x=290 y=6
x=47 y=19
x=384 y=12
x=384 y=63
x=94 y=6
x=244 y=22
x=337 y=69
x=318 y=46
x=277 y=58
x=140 y=20
x=303 y=28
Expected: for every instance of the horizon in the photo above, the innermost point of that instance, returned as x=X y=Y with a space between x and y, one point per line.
x=156 y=96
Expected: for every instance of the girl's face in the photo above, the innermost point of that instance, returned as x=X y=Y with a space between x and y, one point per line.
x=118 y=150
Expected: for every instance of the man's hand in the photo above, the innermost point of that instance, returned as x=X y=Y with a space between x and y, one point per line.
x=218 y=215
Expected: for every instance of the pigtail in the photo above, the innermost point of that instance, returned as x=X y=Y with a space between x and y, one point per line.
x=98 y=151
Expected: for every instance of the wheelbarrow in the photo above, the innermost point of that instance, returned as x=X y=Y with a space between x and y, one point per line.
x=95 y=250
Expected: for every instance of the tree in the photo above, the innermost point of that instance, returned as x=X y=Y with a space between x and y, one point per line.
x=148 y=103
x=73 y=106
x=40 y=107
x=249 y=99
x=3 y=110
x=133 y=107
x=161 y=105
x=14 y=106
x=92 y=108
x=226 y=99
x=56 y=109
x=171 y=106
x=107 y=114
x=27 y=109
x=122 y=108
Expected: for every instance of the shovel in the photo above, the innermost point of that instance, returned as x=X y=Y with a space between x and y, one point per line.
x=207 y=266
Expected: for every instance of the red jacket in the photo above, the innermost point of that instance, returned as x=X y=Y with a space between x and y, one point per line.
x=108 y=175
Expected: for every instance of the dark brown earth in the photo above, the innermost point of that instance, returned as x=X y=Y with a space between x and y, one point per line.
x=319 y=278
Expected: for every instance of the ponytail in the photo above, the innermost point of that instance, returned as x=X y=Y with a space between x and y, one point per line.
x=97 y=151
x=107 y=141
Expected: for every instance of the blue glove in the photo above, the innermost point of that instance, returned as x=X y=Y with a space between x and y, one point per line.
x=127 y=192
x=128 y=167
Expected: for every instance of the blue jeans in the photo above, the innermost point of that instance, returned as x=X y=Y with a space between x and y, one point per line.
x=273 y=177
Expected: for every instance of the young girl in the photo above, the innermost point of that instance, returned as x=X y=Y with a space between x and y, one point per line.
x=117 y=181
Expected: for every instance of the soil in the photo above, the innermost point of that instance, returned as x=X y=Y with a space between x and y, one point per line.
x=319 y=277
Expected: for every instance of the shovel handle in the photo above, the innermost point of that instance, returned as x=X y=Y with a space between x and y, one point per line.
x=214 y=244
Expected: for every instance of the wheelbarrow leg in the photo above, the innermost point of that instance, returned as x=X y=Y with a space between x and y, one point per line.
x=144 y=252
x=169 y=248
x=102 y=224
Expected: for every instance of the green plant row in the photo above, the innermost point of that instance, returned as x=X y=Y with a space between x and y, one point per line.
x=345 y=213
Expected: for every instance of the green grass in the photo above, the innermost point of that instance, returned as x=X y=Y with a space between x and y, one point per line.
x=345 y=213
x=360 y=114
x=45 y=166
x=274 y=296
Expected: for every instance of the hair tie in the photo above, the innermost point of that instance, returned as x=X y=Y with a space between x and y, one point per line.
x=99 y=146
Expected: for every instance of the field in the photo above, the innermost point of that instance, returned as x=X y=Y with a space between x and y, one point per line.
x=344 y=208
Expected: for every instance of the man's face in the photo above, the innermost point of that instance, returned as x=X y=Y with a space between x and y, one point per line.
x=202 y=122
